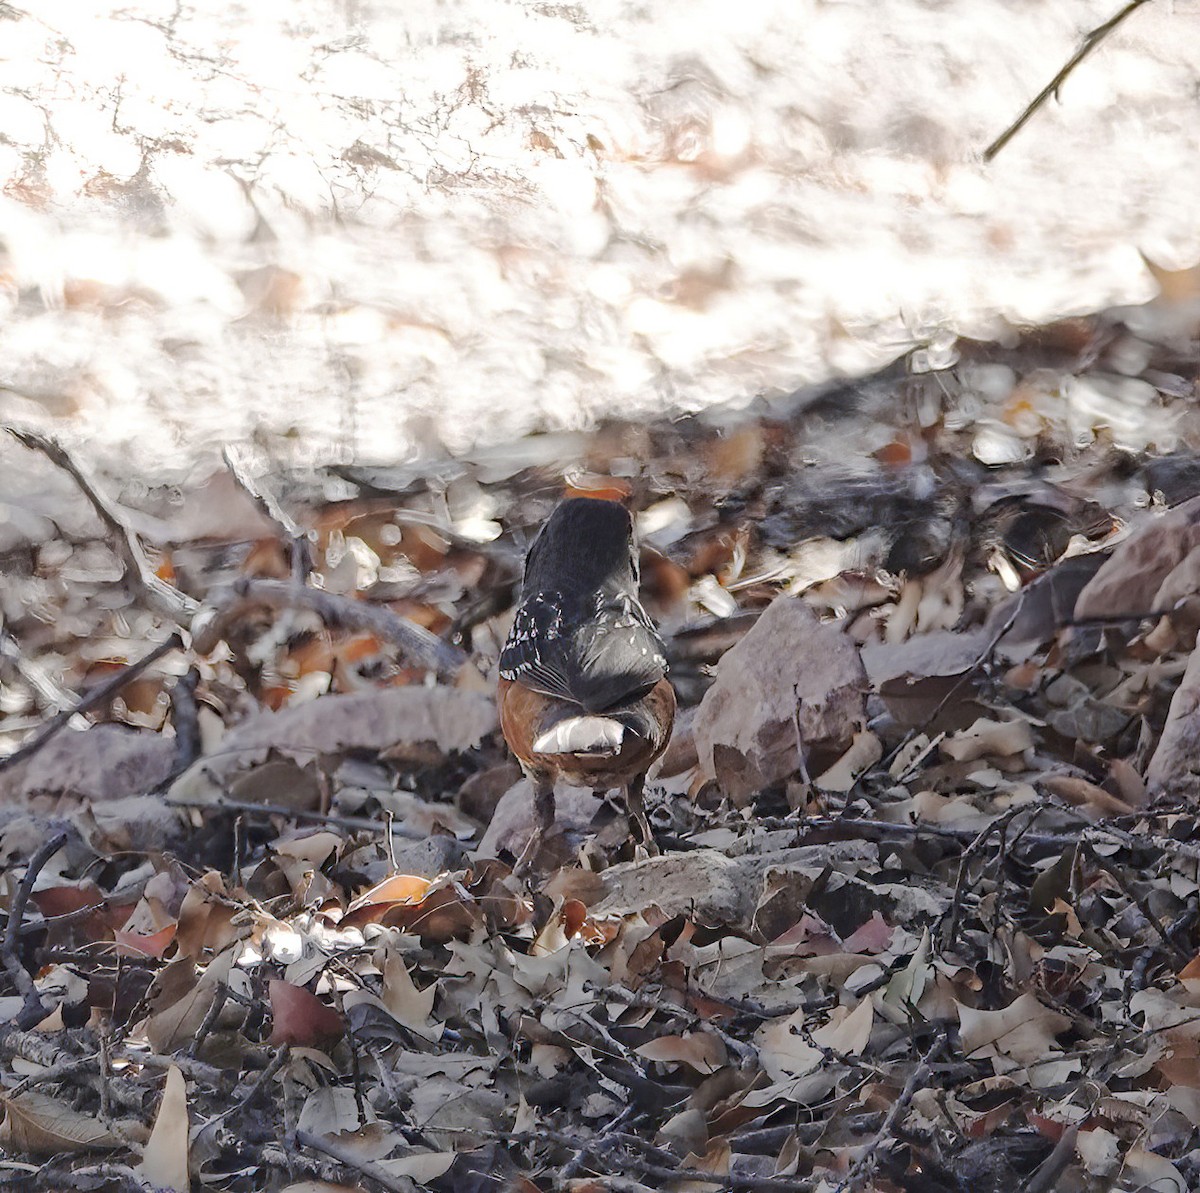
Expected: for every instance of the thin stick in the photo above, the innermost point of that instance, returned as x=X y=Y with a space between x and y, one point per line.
x=297 y=537
x=186 y=719
x=120 y=1177
x=33 y=1010
x=139 y=573
x=865 y=1164
x=345 y=1157
x=1089 y=43
x=337 y=611
x=97 y=695
x=593 y=1146
x=997 y=825
x=983 y=657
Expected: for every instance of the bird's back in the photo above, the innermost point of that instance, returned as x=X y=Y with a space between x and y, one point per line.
x=580 y=633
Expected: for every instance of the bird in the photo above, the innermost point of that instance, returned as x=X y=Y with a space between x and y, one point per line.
x=583 y=690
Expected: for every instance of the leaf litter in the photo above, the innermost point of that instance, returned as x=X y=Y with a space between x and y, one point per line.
x=927 y=914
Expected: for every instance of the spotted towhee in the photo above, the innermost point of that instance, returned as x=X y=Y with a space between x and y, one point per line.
x=583 y=690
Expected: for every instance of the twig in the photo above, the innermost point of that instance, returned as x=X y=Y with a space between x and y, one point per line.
x=337 y=611
x=730 y=1180
x=186 y=718
x=1089 y=43
x=164 y=597
x=882 y=829
x=1180 y=955
x=1045 y=1179
x=210 y=1018
x=865 y=1164
x=33 y=1009
x=281 y=1057
x=968 y=854
x=97 y=695
x=66 y=1068
x=298 y=541
x=593 y=1145
x=192 y=1069
x=346 y=1157
x=661 y=1166
x=983 y=657
x=119 y=1177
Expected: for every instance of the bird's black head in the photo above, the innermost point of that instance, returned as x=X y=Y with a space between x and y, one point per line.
x=585 y=546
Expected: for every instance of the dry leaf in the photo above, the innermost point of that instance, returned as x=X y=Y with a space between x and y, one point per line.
x=300 y=1017
x=1018 y=1035
x=38 y=1125
x=792 y=679
x=165 y=1158
x=702 y=1051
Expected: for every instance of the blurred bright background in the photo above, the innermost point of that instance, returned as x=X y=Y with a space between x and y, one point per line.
x=345 y=230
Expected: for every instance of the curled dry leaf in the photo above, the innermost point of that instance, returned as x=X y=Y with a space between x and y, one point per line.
x=864 y=751
x=699 y=1050
x=138 y=944
x=437 y=909
x=792 y=690
x=988 y=738
x=1083 y=794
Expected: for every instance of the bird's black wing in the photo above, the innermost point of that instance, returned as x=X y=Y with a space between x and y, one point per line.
x=534 y=652
x=618 y=652
x=596 y=653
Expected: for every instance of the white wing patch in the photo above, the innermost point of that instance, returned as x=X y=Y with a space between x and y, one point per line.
x=582 y=735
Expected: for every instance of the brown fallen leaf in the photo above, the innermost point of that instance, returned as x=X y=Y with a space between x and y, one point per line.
x=1129 y=581
x=299 y=1017
x=988 y=738
x=699 y=1050
x=1084 y=794
x=1020 y=1034
x=792 y=691
x=36 y=1124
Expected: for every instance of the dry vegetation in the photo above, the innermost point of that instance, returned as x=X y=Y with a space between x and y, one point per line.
x=927 y=914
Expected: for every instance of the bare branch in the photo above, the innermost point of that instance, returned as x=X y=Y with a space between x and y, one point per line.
x=1089 y=43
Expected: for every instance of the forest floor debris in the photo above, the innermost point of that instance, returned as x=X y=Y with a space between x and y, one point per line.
x=936 y=927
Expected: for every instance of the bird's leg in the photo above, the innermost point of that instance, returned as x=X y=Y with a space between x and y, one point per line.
x=637 y=812
x=543 y=810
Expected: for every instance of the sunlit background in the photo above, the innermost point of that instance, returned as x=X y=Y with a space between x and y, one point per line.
x=346 y=230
